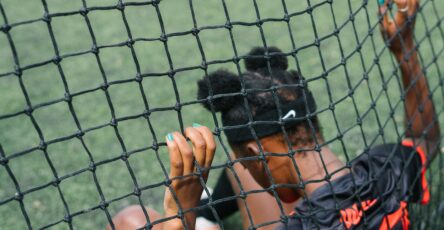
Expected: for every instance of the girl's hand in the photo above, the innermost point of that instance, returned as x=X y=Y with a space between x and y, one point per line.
x=399 y=31
x=186 y=182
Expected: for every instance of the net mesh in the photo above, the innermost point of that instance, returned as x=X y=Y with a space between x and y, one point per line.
x=90 y=89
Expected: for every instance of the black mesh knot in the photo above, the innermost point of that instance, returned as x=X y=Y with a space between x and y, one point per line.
x=103 y=205
x=284 y=219
x=68 y=97
x=3 y=161
x=43 y=145
x=381 y=131
x=18 y=71
x=217 y=131
x=318 y=148
x=46 y=17
x=327 y=177
x=324 y=75
x=67 y=219
x=113 y=122
x=178 y=106
x=146 y=113
x=336 y=32
x=236 y=59
x=18 y=196
x=29 y=110
x=228 y=25
x=94 y=49
x=120 y=6
x=301 y=185
x=242 y=194
x=139 y=78
x=83 y=11
x=92 y=167
x=155 y=146
x=286 y=18
x=130 y=42
x=56 y=182
x=104 y=86
x=351 y=92
x=365 y=76
x=339 y=135
x=57 y=59
x=358 y=121
x=259 y=23
x=351 y=17
x=124 y=156
x=171 y=73
x=203 y=65
x=5 y=28
x=195 y=31
x=80 y=133
x=137 y=191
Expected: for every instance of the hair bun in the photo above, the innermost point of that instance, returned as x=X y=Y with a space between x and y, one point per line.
x=276 y=60
x=222 y=82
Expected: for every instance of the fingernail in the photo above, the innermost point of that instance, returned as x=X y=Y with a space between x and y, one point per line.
x=381 y=2
x=170 y=137
x=196 y=125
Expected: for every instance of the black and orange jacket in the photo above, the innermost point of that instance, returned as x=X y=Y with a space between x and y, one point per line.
x=374 y=195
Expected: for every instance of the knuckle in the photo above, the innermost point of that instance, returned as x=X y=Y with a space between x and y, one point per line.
x=188 y=130
x=206 y=130
x=177 y=164
x=200 y=144
x=211 y=147
x=187 y=153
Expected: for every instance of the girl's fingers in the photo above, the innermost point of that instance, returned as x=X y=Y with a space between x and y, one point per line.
x=199 y=145
x=403 y=11
x=210 y=144
x=175 y=157
x=383 y=10
x=186 y=152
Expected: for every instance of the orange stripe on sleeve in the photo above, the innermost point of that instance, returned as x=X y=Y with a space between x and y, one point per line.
x=425 y=186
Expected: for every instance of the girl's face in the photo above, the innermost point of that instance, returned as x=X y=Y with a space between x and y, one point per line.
x=277 y=168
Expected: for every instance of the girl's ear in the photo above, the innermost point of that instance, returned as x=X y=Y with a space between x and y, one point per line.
x=253 y=149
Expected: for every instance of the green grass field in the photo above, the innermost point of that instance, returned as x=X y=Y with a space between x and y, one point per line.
x=69 y=158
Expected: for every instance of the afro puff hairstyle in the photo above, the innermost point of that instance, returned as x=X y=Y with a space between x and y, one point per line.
x=257 y=77
x=265 y=68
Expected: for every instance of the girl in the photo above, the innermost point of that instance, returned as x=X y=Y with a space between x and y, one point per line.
x=270 y=123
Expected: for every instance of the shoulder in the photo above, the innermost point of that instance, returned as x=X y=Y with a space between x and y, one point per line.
x=393 y=155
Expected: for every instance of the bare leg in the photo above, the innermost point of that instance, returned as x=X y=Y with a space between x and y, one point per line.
x=132 y=217
x=263 y=207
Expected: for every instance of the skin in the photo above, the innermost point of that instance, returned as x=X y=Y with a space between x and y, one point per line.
x=421 y=127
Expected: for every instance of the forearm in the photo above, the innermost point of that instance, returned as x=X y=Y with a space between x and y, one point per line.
x=177 y=224
x=420 y=116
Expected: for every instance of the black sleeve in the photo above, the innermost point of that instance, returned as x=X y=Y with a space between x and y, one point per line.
x=397 y=168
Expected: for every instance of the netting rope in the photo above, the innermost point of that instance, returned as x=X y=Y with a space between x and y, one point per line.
x=432 y=36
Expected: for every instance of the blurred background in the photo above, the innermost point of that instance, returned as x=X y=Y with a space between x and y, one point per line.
x=336 y=45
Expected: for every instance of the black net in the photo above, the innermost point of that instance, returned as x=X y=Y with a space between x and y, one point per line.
x=89 y=89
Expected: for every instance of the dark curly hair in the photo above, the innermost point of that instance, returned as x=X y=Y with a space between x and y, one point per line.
x=260 y=98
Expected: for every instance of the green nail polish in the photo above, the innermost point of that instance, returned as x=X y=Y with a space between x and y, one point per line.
x=196 y=125
x=170 y=137
x=381 y=2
